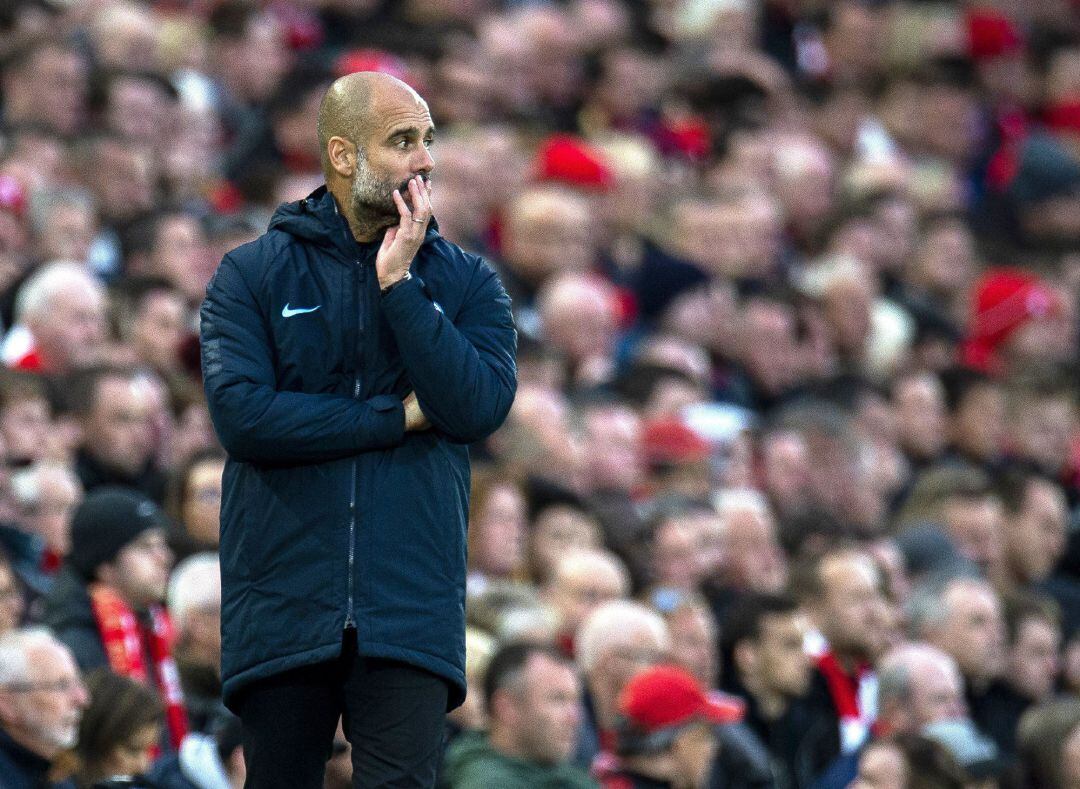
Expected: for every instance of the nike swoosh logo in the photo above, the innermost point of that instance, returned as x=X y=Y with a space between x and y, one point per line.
x=287 y=313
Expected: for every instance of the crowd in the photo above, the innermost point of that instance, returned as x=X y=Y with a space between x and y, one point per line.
x=788 y=495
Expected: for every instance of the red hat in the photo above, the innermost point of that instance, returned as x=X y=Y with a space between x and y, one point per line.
x=1004 y=300
x=992 y=34
x=568 y=159
x=669 y=440
x=12 y=196
x=663 y=697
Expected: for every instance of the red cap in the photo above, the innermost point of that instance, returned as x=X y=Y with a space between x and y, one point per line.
x=992 y=34
x=12 y=196
x=662 y=697
x=568 y=159
x=1004 y=300
x=669 y=440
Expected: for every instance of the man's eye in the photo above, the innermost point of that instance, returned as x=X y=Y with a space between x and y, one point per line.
x=428 y=143
x=403 y=143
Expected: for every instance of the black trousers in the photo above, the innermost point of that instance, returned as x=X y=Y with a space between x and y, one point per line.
x=393 y=714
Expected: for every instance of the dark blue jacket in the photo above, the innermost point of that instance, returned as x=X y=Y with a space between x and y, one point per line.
x=331 y=515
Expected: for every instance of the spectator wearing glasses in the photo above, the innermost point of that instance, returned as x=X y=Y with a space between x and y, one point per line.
x=41 y=702
x=616 y=641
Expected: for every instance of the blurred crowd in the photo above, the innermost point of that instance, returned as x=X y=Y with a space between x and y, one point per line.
x=788 y=496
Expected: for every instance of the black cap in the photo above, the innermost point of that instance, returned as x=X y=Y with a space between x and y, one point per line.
x=108 y=519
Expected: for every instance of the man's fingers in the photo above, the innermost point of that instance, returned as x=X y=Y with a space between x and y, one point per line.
x=402 y=206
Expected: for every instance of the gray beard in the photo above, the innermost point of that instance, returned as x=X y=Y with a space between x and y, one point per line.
x=372 y=198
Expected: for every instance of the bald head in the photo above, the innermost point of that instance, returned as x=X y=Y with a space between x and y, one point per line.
x=354 y=102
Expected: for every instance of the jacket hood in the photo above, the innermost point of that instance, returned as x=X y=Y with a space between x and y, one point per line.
x=316 y=219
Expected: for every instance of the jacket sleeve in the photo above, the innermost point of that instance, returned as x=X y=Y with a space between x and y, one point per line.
x=255 y=422
x=464 y=372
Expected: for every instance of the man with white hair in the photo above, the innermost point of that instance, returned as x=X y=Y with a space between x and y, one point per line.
x=583 y=581
x=194 y=601
x=59 y=321
x=918 y=684
x=616 y=641
x=41 y=702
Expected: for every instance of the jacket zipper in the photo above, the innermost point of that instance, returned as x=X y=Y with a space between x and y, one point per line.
x=349 y=620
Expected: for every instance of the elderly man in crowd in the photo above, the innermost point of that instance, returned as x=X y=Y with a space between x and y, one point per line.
x=41 y=702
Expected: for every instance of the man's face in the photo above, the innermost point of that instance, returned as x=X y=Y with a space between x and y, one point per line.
x=785 y=667
x=142 y=569
x=920 y=409
x=159 y=328
x=72 y=334
x=23 y=424
x=11 y=600
x=677 y=551
x=977 y=526
x=848 y=613
x=43 y=713
x=58 y=86
x=693 y=643
x=1035 y=658
x=117 y=429
x=979 y=423
x=1036 y=535
x=754 y=560
x=550 y=710
x=974 y=631
x=577 y=593
x=396 y=149
x=937 y=694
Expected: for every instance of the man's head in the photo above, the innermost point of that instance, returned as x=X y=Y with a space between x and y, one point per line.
x=842 y=592
x=678 y=540
x=47 y=493
x=374 y=136
x=63 y=306
x=976 y=404
x=692 y=627
x=118 y=538
x=963 y=617
x=918 y=684
x=763 y=635
x=584 y=580
x=1034 y=656
x=613 y=432
x=618 y=639
x=194 y=600
x=919 y=402
x=1036 y=517
x=753 y=559
x=533 y=703
x=114 y=415
x=46 y=83
x=548 y=230
x=41 y=694
x=666 y=725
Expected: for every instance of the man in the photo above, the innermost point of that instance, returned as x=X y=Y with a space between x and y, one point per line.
x=41 y=702
x=60 y=321
x=106 y=606
x=918 y=685
x=964 y=618
x=194 y=597
x=665 y=736
x=583 y=581
x=763 y=646
x=114 y=408
x=841 y=591
x=349 y=354
x=533 y=704
x=617 y=640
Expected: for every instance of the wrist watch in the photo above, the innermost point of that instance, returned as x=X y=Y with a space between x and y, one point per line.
x=395 y=283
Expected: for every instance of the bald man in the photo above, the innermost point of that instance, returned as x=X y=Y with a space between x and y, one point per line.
x=350 y=354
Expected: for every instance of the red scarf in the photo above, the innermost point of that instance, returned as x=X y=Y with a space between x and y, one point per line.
x=124 y=638
x=844 y=692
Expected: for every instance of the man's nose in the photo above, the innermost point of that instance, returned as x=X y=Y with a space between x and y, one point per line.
x=426 y=163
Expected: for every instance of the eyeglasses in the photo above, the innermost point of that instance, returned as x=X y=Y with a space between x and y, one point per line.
x=65 y=685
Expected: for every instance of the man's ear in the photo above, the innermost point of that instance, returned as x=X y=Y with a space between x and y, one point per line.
x=342 y=155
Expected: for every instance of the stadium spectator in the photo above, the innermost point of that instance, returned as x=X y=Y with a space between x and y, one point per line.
x=119 y=729
x=765 y=664
x=42 y=698
x=581 y=583
x=533 y=706
x=194 y=602
x=107 y=604
x=617 y=640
